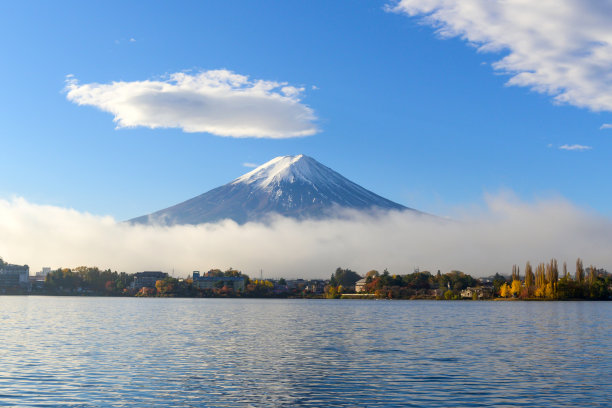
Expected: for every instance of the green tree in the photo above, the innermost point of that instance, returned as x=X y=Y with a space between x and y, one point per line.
x=529 y=278
x=344 y=277
x=579 y=271
x=516 y=273
x=498 y=281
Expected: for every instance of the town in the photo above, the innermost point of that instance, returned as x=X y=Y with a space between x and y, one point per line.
x=545 y=283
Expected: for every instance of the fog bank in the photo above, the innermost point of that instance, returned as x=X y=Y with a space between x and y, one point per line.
x=480 y=242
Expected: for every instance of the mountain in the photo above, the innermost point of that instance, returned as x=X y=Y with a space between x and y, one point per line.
x=293 y=186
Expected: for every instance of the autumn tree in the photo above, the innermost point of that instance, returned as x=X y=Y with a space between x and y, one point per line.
x=371 y=274
x=552 y=276
x=515 y=289
x=166 y=286
x=592 y=275
x=504 y=290
x=540 y=279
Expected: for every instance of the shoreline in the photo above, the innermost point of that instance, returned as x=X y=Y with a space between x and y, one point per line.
x=346 y=296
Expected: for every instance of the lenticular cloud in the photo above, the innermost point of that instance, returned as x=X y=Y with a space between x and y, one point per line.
x=219 y=102
x=559 y=47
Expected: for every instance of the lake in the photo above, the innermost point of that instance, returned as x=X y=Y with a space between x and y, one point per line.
x=91 y=351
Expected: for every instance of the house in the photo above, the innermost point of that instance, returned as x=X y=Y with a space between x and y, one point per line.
x=315 y=286
x=480 y=291
x=360 y=285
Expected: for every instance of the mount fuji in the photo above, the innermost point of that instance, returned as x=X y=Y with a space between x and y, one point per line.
x=292 y=186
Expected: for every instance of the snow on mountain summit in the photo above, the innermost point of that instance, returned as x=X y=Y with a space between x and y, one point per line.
x=285 y=168
x=292 y=186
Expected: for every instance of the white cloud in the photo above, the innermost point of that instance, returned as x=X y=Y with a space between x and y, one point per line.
x=605 y=126
x=506 y=232
x=250 y=165
x=559 y=47
x=219 y=102
x=575 y=147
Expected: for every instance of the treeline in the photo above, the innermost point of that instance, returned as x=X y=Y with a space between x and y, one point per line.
x=88 y=279
x=546 y=282
x=92 y=280
x=410 y=286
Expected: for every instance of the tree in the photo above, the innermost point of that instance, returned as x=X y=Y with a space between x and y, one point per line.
x=529 y=277
x=516 y=273
x=579 y=271
x=345 y=277
x=515 y=289
x=504 y=290
x=331 y=292
x=549 y=291
x=552 y=275
x=592 y=275
x=165 y=286
x=540 y=277
x=371 y=275
x=232 y=272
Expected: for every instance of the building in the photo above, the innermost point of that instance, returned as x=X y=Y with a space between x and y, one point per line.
x=360 y=285
x=147 y=279
x=14 y=276
x=297 y=284
x=316 y=286
x=45 y=271
x=480 y=291
x=212 y=282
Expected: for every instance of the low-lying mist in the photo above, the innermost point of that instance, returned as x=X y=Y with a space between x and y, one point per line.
x=480 y=242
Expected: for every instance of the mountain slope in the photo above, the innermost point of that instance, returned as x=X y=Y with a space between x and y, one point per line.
x=293 y=186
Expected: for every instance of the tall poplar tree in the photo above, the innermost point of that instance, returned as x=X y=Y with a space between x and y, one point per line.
x=516 y=273
x=592 y=275
x=529 y=278
x=579 y=271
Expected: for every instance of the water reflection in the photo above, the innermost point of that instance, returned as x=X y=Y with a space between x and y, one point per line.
x=238 y=352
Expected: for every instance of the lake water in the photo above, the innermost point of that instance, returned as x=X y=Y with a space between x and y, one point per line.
x=71 y=351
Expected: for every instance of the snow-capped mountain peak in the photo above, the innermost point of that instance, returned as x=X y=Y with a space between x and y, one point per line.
x=284 y=168
x=291 y=186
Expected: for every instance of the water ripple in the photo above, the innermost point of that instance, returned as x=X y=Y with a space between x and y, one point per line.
x=285 y=353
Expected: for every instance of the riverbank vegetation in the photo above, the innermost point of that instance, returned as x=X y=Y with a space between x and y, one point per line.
x=545 y=281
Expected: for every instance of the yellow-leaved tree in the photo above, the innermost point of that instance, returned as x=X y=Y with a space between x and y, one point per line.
x=504 y=290
x=549 y=291
x=515 y=289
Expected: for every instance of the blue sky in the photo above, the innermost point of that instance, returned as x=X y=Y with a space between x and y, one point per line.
x=418 y=116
